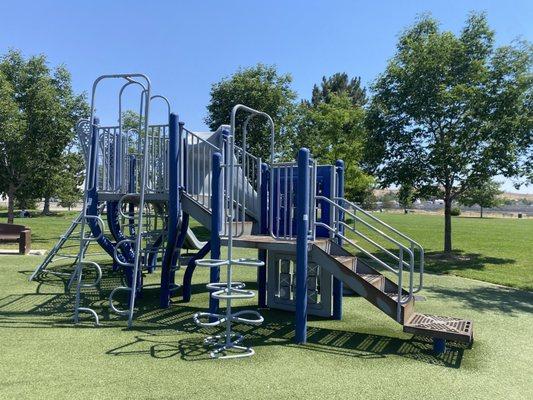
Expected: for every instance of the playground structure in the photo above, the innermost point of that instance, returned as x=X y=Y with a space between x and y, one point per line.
x=312 y=243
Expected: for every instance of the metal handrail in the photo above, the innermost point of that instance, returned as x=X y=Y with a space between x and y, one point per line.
x=413 y=244
x=335 y=230
x=384 y=235
x=251 y=114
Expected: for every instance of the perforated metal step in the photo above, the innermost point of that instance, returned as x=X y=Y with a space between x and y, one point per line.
x=449 y=328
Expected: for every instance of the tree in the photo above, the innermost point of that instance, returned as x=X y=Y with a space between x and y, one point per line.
x=485 y=195
x=449 y=112
x=406 y=196
x=334 y=130
x=337 y=84
x=263 y=88
x=331 y=125
x=12 y=127
x=47 y=111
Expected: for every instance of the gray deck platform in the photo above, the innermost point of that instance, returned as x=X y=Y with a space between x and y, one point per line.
x=267 y=242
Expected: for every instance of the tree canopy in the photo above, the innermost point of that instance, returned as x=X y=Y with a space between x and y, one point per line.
x=339 y=84
x=41 y=111
x=451 y=111
x=334 y=130
x=263 y=88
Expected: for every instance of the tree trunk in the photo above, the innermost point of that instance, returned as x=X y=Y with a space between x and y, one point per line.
x=447 y=224
x=480 y=212
x=10 y=205
x=46 y=207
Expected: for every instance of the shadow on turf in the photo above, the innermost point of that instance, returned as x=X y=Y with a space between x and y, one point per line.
x=439 y=262
x=459 y=260
x=502 y=299
x=165 y=333
x=278 y=330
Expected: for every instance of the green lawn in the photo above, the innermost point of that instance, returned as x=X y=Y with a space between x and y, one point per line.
x=43 y=355
x=497 y=250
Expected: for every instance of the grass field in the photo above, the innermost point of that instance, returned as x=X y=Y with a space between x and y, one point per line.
x=497 y=250
x=363 y=356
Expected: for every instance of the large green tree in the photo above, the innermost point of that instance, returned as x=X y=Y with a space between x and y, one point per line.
x=450 y=111
x=47 y=110
x=335 y=130
x=263 y=88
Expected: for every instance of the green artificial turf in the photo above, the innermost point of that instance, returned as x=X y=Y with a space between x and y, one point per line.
x=366 y=355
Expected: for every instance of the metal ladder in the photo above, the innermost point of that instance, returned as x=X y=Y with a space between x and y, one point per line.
x=92 y=183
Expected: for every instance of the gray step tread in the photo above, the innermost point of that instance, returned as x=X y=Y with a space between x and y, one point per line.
x=448 y=328
x=371 y=277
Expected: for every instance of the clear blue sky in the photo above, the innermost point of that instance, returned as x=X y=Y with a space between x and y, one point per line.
x=186 y=46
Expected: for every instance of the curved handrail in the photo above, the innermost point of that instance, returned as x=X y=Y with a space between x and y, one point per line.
x=115 y=253
x=112 y=306
x=253 y=113
x=158 y=96
x=98 y=274
x=100 y=222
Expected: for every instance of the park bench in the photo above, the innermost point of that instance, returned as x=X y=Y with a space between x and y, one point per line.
x=20 y=234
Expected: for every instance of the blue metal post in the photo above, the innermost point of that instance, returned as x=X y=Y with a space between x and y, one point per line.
x=337 y=284
x=439 y=345
x=216 y=224
x=262 y=254
x=173 y=211
x=302 y=238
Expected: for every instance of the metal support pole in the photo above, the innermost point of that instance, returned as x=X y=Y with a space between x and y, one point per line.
x=216 y=224
x=337 y=284
x=262 y=254
x=439 y=345
x=302 y=231
x=173 y=211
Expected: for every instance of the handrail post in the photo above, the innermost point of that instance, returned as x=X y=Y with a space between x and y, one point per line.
x=400 y=282
x=173 y=211
x=337 y=283
x=302 y=238
x=216 y=222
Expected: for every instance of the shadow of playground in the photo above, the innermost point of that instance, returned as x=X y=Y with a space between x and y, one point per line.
x=51 y=307
x=278 y=330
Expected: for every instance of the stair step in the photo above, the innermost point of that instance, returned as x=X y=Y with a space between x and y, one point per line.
x=374 y=279
x=346 y=260
x=448 y=328
x=394 y=296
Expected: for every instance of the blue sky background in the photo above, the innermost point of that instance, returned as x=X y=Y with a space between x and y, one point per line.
x=186 y=46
